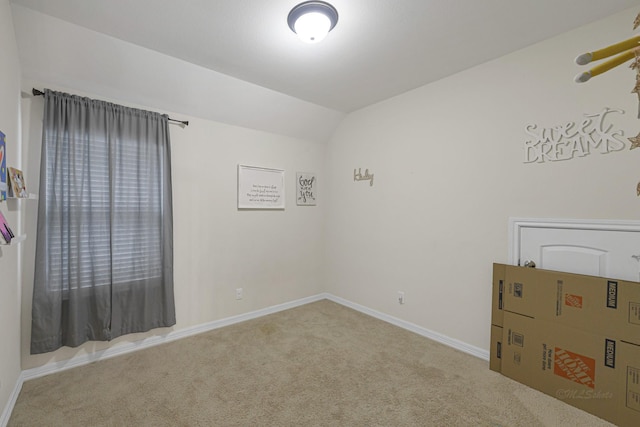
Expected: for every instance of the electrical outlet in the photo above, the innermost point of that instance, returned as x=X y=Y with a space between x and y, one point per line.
x=238 y=293
x=400 y=297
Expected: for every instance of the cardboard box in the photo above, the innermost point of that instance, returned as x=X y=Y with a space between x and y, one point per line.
x=495 y=352
x=499 y=274
x=594 y=304
x=596 y=373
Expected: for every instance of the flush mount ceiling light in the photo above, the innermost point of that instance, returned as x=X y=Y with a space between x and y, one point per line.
x=312 y=20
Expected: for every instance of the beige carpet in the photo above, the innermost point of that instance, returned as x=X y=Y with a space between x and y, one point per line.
x=321 y=364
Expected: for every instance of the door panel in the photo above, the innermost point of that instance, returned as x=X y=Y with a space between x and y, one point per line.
x=597 y=249
x=574 y=259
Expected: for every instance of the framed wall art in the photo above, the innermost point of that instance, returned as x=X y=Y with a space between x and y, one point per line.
x=260 y=188
x=306 y=189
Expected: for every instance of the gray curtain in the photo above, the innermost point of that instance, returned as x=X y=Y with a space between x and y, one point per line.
x=104 y=254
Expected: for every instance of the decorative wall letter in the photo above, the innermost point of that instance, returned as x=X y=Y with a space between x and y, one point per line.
x=358 y=176
x=564 y=142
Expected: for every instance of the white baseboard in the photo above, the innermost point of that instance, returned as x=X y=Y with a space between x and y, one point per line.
x=427 y=333
x=130 y=347
x=8 y=408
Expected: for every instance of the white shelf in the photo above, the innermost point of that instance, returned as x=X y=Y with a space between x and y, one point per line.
x=15 y=241
x=21 y=237
x=31 y=196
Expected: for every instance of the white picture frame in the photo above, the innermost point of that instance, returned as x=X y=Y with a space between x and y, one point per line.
x=260 y=188
x=306 y=189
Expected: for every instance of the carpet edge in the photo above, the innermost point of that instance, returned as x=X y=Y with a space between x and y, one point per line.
x=427 y=333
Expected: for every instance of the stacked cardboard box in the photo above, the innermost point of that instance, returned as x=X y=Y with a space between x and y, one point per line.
x=571 y=336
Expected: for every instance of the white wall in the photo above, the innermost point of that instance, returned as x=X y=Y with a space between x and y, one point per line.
x=448 y=169
x=275 y=256
x=9 y=255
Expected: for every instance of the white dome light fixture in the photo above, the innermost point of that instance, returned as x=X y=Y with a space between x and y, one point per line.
x=312 y=20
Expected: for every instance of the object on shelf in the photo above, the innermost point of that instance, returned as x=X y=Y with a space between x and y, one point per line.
x=5 y=230
x=18 y=187
x=30 y=196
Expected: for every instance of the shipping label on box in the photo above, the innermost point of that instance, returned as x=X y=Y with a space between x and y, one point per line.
x=497 y=298
x=634 y=313
x=633 y=387
x=594 y=304
x=593 y=372
x=495 y=351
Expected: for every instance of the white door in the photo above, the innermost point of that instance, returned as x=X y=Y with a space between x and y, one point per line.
x=604 y=248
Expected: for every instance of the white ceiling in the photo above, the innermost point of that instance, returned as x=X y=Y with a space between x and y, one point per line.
x=379 y=48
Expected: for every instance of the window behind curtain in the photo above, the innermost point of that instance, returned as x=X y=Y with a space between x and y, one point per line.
x=104 y=257
x=137 y=251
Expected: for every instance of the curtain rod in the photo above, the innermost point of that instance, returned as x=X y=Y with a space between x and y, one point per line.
x=37 y=92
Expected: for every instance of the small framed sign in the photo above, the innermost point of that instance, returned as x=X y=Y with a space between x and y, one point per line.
x=306 y=189
x=260 y=188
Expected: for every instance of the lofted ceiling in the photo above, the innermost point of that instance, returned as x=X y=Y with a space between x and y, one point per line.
x=379 y=48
